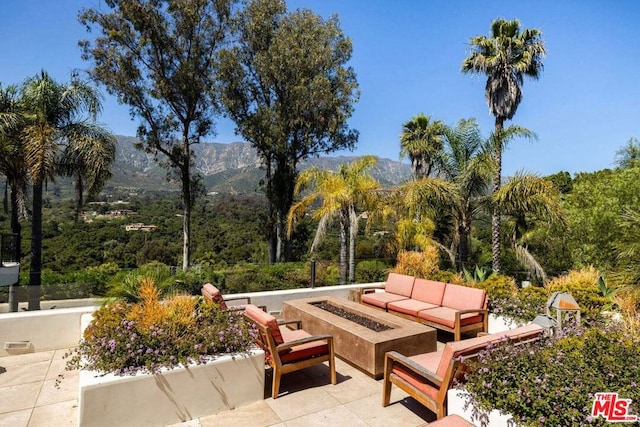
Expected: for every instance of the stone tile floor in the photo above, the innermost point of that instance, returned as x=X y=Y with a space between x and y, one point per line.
x=29 y=398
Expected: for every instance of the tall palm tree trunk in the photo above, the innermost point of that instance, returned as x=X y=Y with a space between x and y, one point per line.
x=344 y=229
x=16 y=228
x=353 y=231
x=35 y=279
x=496 y=222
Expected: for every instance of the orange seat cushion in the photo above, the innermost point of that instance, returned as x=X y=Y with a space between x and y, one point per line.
x=302 y=351
x=447 y=316
x=381 y=299
x=266 y=320
x=409 y=306
x=415 y=380
x=428 y=291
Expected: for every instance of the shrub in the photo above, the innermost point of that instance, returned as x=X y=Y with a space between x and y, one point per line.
x=515 y=305
x=583 y=286
x=553 y=382
x=126 y=338
x=418 y=264
x=372 y=271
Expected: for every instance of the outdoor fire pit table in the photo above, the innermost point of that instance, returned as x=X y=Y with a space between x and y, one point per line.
x=357 y=344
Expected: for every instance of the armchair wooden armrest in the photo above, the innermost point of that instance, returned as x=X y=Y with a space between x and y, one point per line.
x=297 y=322
x=313 y=338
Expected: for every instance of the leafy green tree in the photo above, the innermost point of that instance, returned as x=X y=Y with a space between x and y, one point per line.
x=59 y=118
x=422 y=141
x=342 y=194
x=158 y=57
x=562 y=180
x=288 y=89
x=595 y=209
x=629 y=155
x=506 y=57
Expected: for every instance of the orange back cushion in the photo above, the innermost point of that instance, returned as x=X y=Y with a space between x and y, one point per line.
x=428 y=291
x=463 y=297
x=265 y=319
x=399 y=284
x=211 y=293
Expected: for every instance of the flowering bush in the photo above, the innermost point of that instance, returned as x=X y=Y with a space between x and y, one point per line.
x=126 y=338
x=515 y=305
x=554 y=381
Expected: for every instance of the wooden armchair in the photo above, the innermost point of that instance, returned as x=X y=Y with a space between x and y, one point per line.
x=289 y=350
x=212 y=294
x=427 y=377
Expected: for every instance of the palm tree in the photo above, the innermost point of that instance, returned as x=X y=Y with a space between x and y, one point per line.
x=469 y=166
x=60 y=119
x=12 y=164
x=341 y=193
x=505 y=58
x=525 y=199
x=88 y=160
x=408 y=212
x=421 y=140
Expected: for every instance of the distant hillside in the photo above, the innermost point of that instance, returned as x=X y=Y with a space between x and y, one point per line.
x=227 y=168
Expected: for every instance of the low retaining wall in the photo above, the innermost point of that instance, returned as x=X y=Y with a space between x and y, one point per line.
x=42 y=330
x=171 y=396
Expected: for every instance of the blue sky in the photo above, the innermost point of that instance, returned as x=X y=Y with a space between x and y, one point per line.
x=407 y=56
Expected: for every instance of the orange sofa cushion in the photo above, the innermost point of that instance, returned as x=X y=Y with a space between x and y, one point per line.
x=381 y=299
x=399 y=284
x=409 y=306
x=447 y=317
x=428 y=291
x=266 y=320
x=463 y=297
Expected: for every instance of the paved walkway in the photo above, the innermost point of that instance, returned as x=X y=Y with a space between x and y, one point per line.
x=28 y=397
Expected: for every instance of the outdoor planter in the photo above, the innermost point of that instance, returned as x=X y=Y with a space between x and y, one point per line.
x=171 y=396
x=495 y=418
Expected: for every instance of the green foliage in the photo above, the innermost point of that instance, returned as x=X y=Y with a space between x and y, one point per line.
x=372 y=271
x=126 y=338
x=160 y=59
x=553 y=382
x=479 y=274
x=515 y=305
x=562 y=181
x=287 y=86
x=594 y=211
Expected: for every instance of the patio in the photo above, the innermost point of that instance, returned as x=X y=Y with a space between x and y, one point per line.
x=28 y=397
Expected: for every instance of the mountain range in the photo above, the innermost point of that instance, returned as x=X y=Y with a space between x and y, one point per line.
x=232 y=168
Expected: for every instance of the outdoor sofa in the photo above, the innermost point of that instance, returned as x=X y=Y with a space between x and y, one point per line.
x=445 y=306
